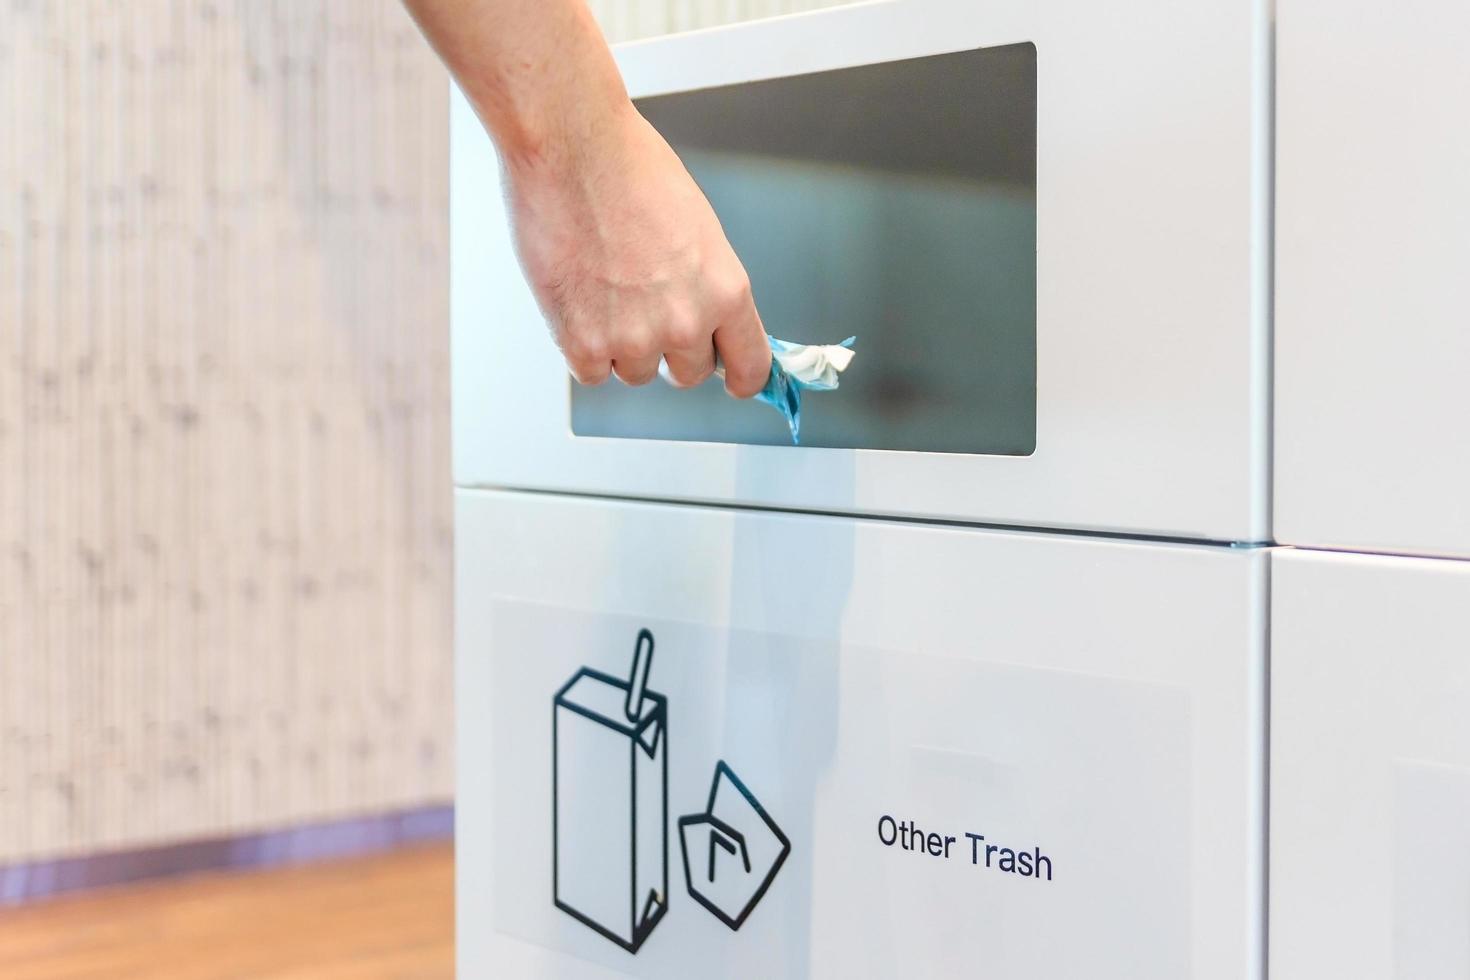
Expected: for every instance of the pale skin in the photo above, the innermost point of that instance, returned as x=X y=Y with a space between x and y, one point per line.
x=627 y=259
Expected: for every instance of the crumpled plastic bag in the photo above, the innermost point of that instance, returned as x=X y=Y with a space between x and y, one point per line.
x=802 y=367
x=796 y=368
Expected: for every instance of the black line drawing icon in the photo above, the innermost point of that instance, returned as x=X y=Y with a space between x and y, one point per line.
x=610 y=812
x=732 y=851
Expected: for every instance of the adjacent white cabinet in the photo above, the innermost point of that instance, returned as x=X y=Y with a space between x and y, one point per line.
x=1085 y=183
x=1373 y=275
x=1091 y=711
x=1370 y=767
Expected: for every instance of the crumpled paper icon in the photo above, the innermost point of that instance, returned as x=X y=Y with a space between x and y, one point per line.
x=732 y=851
x=796 y=368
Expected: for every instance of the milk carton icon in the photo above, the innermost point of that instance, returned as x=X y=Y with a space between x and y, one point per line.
x=610 y=777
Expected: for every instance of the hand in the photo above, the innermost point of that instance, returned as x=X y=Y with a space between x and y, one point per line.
x=629 y=263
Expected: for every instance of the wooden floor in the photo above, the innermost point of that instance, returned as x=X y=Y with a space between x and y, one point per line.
x=381 y=918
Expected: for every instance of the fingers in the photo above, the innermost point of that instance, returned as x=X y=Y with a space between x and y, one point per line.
x=742 y=345
x=587 y=359
x=686 y=346
x=632 y=353
x=690 y=367
x=631 y=346
x=636 y=370
x=592 y=377
x=635 y=353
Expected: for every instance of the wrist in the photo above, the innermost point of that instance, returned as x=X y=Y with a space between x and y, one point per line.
x=555 y=137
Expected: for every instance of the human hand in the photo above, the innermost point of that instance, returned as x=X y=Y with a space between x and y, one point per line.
x=629 y=263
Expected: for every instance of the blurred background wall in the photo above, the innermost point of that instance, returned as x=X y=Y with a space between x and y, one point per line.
x=627 y=20
x=225 y=526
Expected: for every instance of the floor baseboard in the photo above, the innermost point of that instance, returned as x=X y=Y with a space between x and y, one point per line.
x=28 y=882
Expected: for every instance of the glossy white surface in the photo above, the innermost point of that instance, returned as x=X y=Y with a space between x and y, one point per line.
x=1373 y=295
x=1370 y=767
x=1152 y=287
x=1100 y=700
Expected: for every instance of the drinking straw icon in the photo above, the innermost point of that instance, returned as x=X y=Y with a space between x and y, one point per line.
x=638 y=678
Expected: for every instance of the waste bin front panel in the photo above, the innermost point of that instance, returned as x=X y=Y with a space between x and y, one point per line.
x=700 y=742
x=1045 y=223
x=1370 y=767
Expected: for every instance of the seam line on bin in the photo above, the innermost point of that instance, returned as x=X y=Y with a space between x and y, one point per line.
x=1060 y=531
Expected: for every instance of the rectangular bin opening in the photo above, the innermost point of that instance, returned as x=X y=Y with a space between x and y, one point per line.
x=895 y=202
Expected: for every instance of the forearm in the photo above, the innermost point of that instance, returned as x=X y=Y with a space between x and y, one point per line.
x=537 y=72
x=624 y=254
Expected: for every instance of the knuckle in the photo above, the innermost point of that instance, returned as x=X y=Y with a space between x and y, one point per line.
x=635 y=344
x=736 y=291
x=595 y=350
x=588 y=374
x=585 y=347
x=684 y=333
x=689 y=376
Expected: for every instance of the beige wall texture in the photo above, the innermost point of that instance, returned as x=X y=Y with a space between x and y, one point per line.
x=626 y=20
x=225 y=526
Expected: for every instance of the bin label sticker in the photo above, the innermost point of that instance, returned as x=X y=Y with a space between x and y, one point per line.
x=723 y=802
x=610 y=814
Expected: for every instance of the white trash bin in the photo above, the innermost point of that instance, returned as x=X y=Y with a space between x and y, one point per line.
x=932 y=750
x=972 y=683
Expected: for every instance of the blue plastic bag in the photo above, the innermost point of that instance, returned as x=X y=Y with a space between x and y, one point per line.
x=802 y=367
